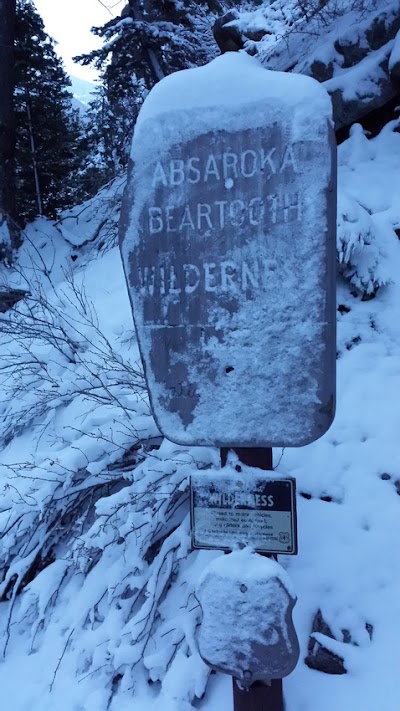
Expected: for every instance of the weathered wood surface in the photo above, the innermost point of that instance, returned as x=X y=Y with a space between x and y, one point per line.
x=228 y=242
x=246 y=627
x=259 y=697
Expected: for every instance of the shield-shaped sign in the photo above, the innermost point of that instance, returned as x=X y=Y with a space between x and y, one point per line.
x=247 y=629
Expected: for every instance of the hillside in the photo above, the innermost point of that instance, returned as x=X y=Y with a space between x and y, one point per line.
x=97 y=606
x=88 y=497
x=82 y=91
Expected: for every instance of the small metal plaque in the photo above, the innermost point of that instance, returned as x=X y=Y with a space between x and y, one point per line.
x=248 y=510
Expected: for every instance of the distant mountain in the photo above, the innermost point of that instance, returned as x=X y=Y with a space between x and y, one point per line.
x=82 y=108
x=83 y=92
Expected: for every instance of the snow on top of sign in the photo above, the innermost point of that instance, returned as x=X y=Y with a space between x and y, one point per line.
x=245 y=628
x=234 y=104
x=235 y=94
x=251 y=567
x=232 y=79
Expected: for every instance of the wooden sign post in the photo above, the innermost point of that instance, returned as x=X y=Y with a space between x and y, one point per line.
x=259 y=696
x=227 y=237
x=228 y=243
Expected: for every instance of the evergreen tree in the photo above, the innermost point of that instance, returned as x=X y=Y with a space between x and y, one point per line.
x=8 y=234
x=150 y=39
x=47 y=127
x=108 y=134
x=99 y=166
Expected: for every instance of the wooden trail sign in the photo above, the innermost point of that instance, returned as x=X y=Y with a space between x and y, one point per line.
x=247 y=629
x=228 y=243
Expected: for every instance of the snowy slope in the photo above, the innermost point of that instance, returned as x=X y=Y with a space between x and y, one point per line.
x=97 y=606
x=83 y=92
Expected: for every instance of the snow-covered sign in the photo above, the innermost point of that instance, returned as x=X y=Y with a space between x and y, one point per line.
x=228 y=243
x=247 y=628
x=243 y=510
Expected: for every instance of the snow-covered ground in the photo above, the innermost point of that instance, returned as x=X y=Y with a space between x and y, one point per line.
x=97 y=608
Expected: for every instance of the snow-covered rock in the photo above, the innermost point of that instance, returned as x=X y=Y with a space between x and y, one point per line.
x=348 y=46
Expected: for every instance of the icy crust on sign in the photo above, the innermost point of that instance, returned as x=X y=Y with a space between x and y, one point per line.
x=231 y=80
x=226 y=239
x=251 y=567
x=246 y=628
x=266 y=344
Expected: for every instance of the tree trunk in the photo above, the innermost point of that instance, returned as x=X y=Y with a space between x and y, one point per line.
x=137 y=14
x=34 y=162
x=8 y=229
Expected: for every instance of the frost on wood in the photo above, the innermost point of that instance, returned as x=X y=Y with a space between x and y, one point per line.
x=227 y=238
x=246 y=629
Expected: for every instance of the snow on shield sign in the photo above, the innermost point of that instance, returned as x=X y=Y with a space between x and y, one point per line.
x=228 y=244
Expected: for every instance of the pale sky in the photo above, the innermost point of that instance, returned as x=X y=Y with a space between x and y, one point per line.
x=69 y=22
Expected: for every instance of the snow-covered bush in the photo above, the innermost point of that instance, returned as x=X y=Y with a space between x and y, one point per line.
x=367 y=212
x=92 y=508
x=362 y=259
x=57 y=360
x=125 y=562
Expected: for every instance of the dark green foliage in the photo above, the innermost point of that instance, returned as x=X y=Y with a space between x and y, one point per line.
x=109 y=123
x=150 y=39
x=47 y=127
x=99 y=166
x=9 y=236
